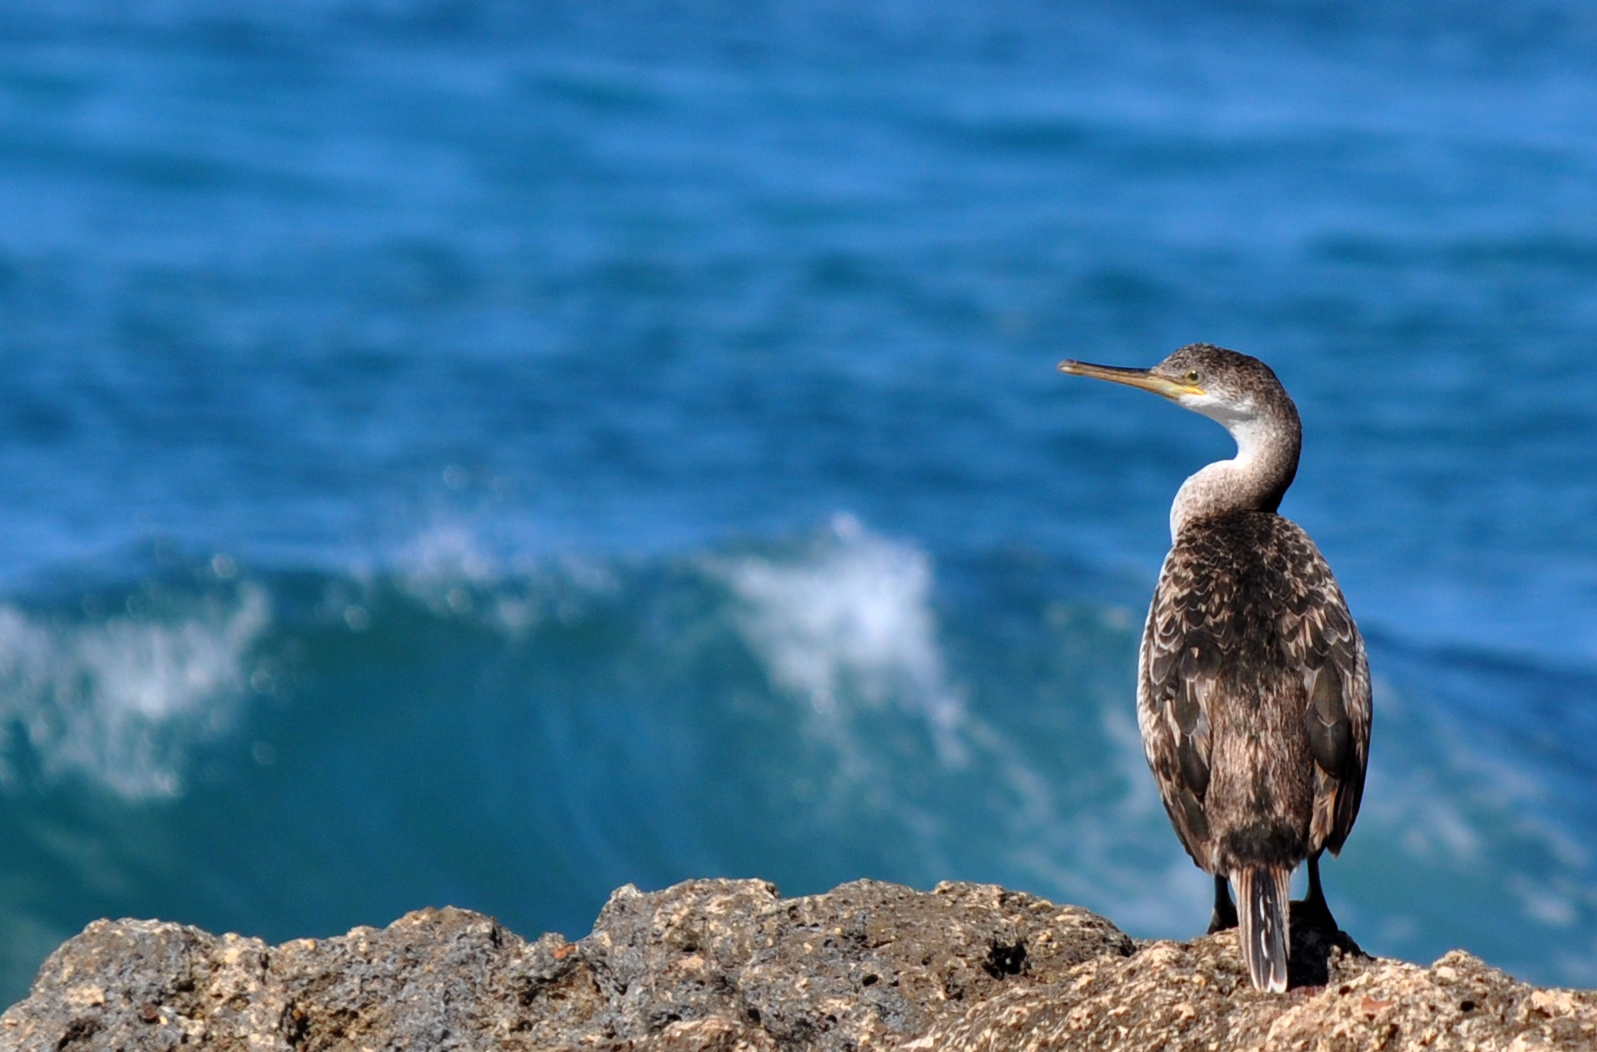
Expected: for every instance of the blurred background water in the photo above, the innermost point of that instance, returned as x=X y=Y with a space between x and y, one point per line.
x=469 y=452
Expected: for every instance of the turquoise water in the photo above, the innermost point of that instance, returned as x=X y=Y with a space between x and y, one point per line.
x=452 y=454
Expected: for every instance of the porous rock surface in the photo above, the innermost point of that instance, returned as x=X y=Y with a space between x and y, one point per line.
x=729 y=966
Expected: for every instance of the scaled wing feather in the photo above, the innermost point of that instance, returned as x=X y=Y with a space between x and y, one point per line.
x=1321 y=640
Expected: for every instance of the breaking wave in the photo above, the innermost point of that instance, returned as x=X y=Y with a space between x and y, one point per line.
x=852 y=618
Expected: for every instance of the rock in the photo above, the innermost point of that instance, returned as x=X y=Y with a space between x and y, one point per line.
x=1196 y=995
x=729 y=966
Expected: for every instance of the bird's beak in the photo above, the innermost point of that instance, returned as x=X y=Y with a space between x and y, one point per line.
x=1142 y=378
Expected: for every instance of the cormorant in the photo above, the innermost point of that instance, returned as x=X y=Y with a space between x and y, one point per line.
x=1253 y=693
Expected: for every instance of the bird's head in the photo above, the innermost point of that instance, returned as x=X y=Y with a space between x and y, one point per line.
x=1231 y=388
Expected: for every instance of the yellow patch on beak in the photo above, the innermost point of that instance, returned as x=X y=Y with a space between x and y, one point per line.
x=1139 y=378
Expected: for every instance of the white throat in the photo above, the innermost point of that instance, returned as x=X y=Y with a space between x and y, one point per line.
x=1253 y=480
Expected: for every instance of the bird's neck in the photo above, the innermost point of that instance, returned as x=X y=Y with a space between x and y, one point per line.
x=1254 y=480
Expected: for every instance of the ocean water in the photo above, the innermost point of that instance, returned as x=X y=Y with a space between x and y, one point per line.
x=474 y=453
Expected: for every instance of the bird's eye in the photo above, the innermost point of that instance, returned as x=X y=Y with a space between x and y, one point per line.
x=1194 y=376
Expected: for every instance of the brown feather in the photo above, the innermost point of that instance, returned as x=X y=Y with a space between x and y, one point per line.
x=1246 y=622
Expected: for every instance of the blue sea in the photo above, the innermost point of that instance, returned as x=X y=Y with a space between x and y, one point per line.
x=486 y=453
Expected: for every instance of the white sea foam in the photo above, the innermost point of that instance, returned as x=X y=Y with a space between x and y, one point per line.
x=445 y=556
x=851 y=623
x=450 y=569
x=121 y=700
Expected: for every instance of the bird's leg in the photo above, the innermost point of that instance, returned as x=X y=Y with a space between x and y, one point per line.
x=1315 y=908
x=1225 y=911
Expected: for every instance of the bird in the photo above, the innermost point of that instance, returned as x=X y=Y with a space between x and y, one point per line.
x=1253 y=686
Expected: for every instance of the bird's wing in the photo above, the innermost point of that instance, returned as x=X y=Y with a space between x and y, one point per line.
x=1196 y=619
x=1189 y=624
x=1322 y=642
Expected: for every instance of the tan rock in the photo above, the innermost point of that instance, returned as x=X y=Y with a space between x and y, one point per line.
x=730 y=966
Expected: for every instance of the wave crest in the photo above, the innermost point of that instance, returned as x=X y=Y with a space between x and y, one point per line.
x=120 y=701
x=851 y=619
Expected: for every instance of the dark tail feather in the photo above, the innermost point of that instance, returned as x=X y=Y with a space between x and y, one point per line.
x=1262 y=896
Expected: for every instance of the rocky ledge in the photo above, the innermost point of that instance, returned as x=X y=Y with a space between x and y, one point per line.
x=729 y=966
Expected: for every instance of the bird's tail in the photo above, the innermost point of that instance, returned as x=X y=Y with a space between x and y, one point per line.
x=1262 y=896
